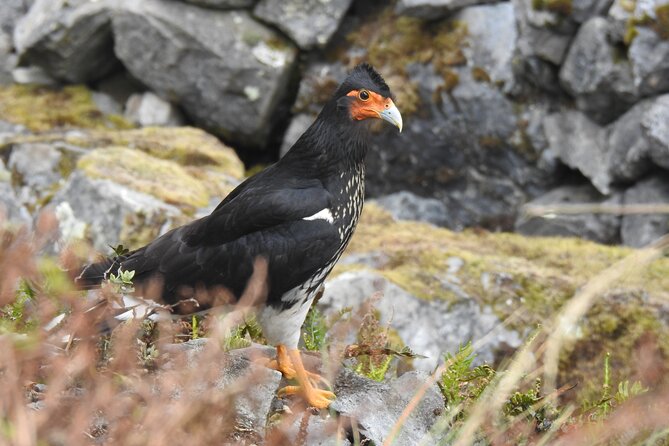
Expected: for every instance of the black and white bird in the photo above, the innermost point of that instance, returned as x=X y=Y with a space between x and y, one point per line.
x=298 y=215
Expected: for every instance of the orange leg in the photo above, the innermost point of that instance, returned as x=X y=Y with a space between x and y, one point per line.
x=282 y=363
x=314 y=396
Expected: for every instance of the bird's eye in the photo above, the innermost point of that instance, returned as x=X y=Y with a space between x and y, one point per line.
x=363 y=95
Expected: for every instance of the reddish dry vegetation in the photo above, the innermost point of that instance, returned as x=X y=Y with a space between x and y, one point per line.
x=72 y=386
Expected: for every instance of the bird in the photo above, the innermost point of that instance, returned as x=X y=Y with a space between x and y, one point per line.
x=297 y=215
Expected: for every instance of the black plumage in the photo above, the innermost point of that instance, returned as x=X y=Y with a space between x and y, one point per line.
x=298 y=214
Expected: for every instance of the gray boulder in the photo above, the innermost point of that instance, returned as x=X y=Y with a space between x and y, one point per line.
x=298 y=125
x=376 y=407
x=580 y=144
x=37 y=170
x=109 y=210
x=649 y=56
x=537 y=36
x=309 y=23
x=434 y=9
x=70 y=39
x=227 y=71
x=443 y=326
x=11 y=209
x=405 y=205
x=10 y=12
x=491 y=41
x=233 y=370
x=655 y=125
x=628 y=147
x=641 y=229
x=602 y=228
x=148 y=109
x=223 y=4
x=596 y=74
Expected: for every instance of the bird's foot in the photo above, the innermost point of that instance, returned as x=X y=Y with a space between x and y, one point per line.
x=318 y=398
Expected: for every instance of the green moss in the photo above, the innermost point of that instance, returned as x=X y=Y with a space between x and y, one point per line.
x=510 y=272
x=187 y=146
x=165 y=180
x=391 y=42
x=480 y=75
x=662 y=21
x=560 y=7
x=540 y=271
x=42 y=109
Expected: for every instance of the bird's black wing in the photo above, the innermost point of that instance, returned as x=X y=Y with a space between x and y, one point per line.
x=262 y=219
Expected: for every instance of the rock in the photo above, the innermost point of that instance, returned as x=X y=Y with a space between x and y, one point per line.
x=376 y=407
x=10 y=12
x=119 y=87
x=70 y=39
x=7 y=58
x=309 y=23
x=37 y=169
x=491 y=41
x=443 y=326
x=596 y=74
x=234 y=368
x=649 y=56
x=602 y=228
x=148 y=109
x=485 y=110
x=655 y=125
x=114 y=213
x=535 y=39
x=223 y=4
x=628 y=148
x=231 y=74
x=405 y=205
x=33 y=75
x=106 y=103
x=580 y=144
x=433 y=9
x=639 y=230
x=11 y=210
x=298 y=125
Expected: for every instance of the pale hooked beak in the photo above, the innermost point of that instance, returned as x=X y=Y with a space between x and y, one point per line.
x=392 y=115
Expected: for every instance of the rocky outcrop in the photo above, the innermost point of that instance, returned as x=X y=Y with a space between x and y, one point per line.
x=593 y=225
x=71 y=40
x=229 y=82
x=309 y=23
x=404 y=205
x=148 y=110
x=433 y=9
x=596 y=74
x=443 y=323
x=639 y=230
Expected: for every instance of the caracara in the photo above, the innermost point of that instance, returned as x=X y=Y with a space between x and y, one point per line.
x=298 y=215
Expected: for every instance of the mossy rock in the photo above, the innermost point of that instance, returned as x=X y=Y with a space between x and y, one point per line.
x=187 y=146
x=163 y=179
x=40 y=108
x=202 y=155
x=391 y=42
x=530 y=278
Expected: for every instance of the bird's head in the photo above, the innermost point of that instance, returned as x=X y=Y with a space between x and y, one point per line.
x=364 y=94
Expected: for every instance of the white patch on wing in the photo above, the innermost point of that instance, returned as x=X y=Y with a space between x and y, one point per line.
x=323 y=214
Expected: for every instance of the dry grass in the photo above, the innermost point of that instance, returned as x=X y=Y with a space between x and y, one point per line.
x=115 y=390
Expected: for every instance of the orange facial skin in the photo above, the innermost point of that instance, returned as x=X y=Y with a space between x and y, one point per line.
x=371 y=107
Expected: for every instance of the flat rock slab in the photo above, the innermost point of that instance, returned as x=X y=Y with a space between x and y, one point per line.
x=227 y=71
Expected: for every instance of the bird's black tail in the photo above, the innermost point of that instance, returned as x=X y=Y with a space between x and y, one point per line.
x=92 y=275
